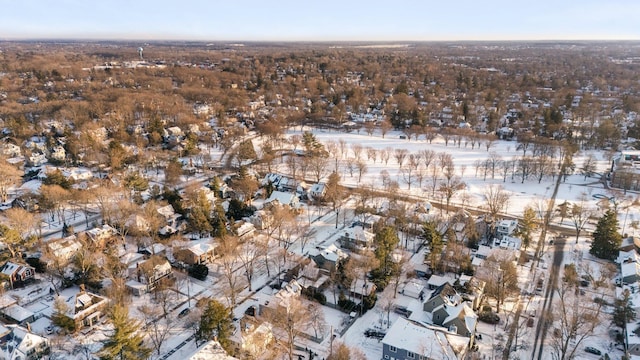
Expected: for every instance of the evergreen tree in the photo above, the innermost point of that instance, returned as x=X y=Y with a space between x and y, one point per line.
x=124 y=343
x=59 y=316
x=216 y=321
x=528 y=225
x=606 y=238
x=385 y=241
x=433 y=239
x=199 y=219
x=623 y=312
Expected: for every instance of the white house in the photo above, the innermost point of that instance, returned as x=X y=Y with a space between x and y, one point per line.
x=318 y=190
x=284 y=198
x=64 y=249
x=506 y=228
x=19 y=343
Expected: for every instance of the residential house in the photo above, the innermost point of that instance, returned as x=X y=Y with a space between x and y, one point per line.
x=444 y=307
x=18 y=274
x=171 y=220
x=245 y=230
x=329 y=257
x=149 y=274
x=361 y=288
x=19 y=343
x=64 y=249
x=10 y=150
x=36 y=158
x=86 y=309
x=410 y=340
x=200 y=253
x=629 y=262
x=445 y=294
x=100 y=235
x=16 y=314
x=436 y=281
x=356 y=237
x=474 y=292
x=284 y=198
x=366 y=220
x=317 y=191
x=154 y=249
x=261 y=219
x=310 y=276
x=414 y=288
x=58 y=153
x=287 y=184
x=289 y=290
x=506 y=228
x=461 y=319
x=480 y=256
x=211 y=350
x=509 y=243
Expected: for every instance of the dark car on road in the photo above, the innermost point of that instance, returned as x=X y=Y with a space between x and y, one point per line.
x=184 y=312
x=592 y=350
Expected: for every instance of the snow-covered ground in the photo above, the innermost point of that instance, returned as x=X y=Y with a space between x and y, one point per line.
x=529 y=193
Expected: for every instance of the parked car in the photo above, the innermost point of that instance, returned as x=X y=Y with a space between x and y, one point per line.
x=184 y=312
x=49 y=330
x=592 y=350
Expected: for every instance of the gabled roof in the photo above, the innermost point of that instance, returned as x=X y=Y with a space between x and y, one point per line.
x=201 y=248
x=284 y=198
x=11 y=268
x=423 y=340
x=18 y=342
x=358 y=233
x=463 y=312
x=333 y=253
x=445 y=291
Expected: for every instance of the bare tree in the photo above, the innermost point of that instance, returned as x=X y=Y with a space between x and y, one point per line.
x=450 y=187
x=316 y=320
x=372 y=154
x=435 y=177
x=496 y=199
x=9 y=176
x=400 y=155
x=292 y=317
x=385 y=154
x=427 y=156
x=318 y=166
x=575 y=318
x=340 y=351
x=357 y=149
x=361 y=166
x=248 y=256
x=407 y=175
x=342 y=145
x=579 y=213
x=157 y=325
x=493 y=161
x=229 y=262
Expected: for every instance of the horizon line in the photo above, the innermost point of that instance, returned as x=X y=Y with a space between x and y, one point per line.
x=98 y=39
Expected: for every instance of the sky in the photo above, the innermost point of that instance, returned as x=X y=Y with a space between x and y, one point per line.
x=325 y=20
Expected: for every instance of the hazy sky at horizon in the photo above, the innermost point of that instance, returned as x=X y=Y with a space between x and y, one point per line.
x=328 y=20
